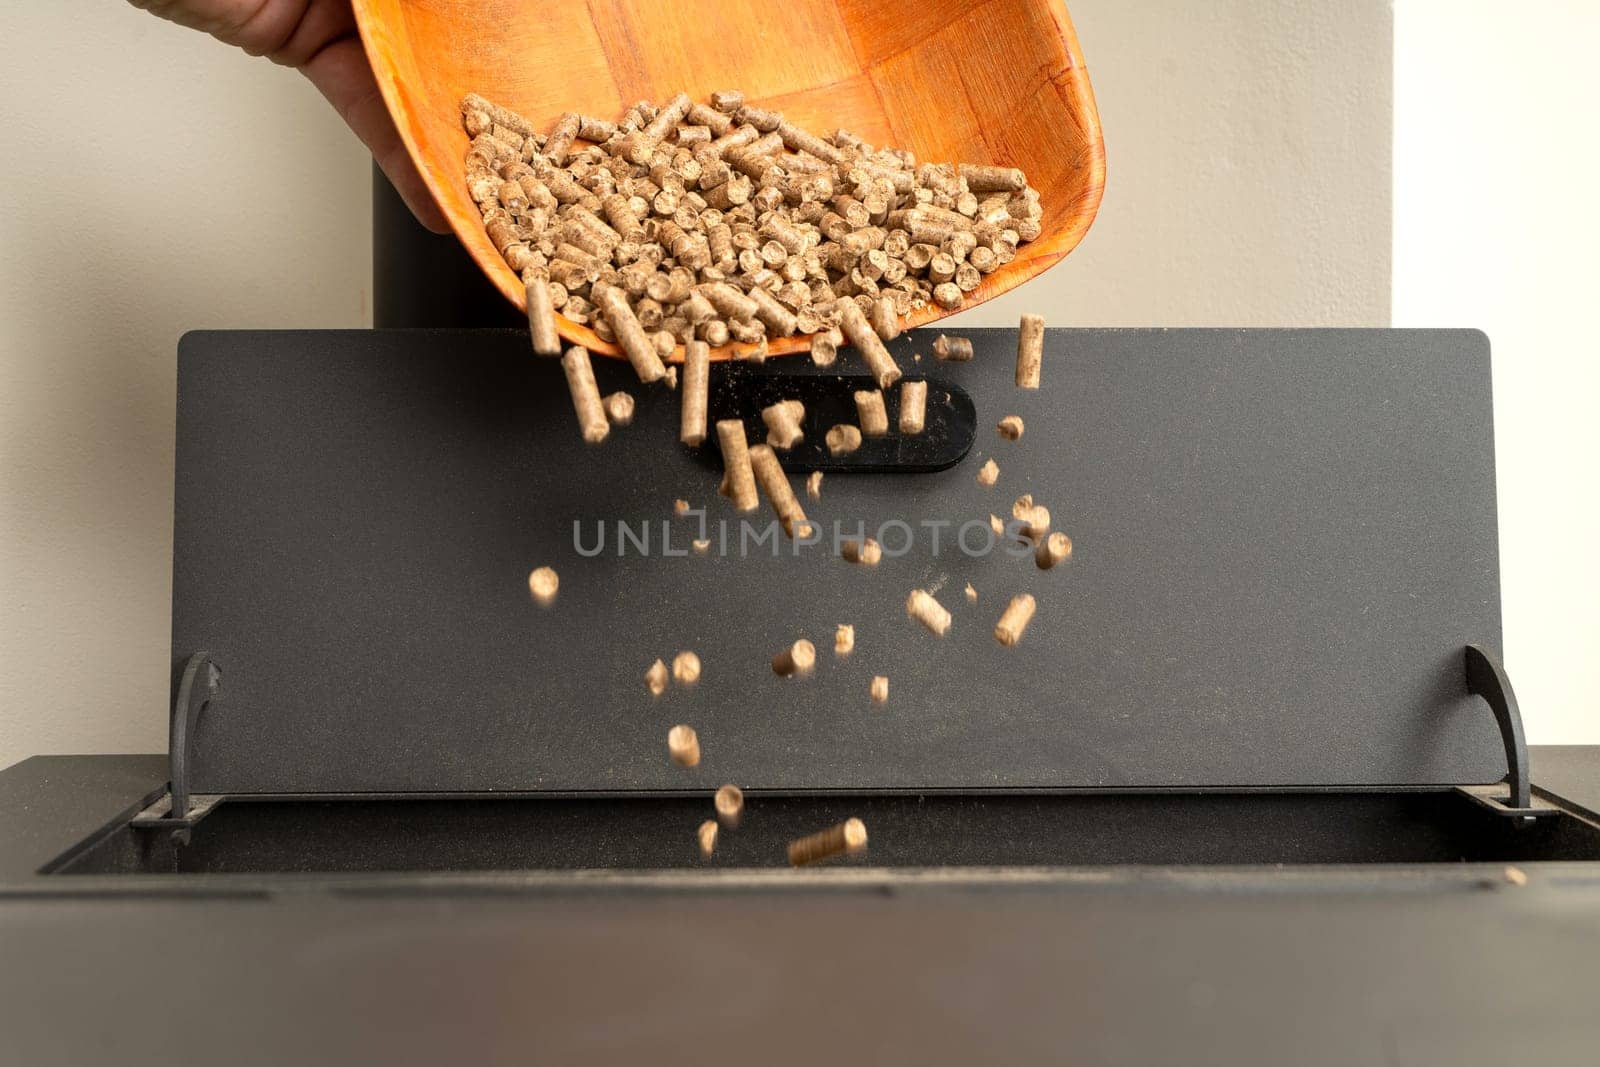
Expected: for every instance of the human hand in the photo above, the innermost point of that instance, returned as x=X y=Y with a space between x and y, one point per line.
x=318 y=38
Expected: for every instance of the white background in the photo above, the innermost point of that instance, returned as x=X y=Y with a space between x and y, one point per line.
x=1496 y=225
x=155 y=182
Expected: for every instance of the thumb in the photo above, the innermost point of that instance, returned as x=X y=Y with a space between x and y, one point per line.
x=341 y=73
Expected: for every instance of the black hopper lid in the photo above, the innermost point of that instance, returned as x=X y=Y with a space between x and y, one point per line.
x=1282 y=540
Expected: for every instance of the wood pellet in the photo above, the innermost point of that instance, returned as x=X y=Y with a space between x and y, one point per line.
x=1052 y=550
x=706 y=835
x=618 y=408
x=1034 y=518
x=847 y=838
x=1030 y=351
x=883 y=319
x=542 y=317
x=859 y=332
x=783 y=423
x=844 y=639
x=683 y=745
x=824 y=349
x=655 y=679
x=878 y=689
x=780 y=494
x=797 y=659
x=543 y=584
x=1018 y=613
x=867 y=552
x=696 y=382
x=913 y=407
x=989 y=473
x=842 y=439
x=592 y=421
x=686 y=668
x=738 y=478
x=871 y=413
x=729 y=802
x=1010 y=427
x=921 y=605
x=630 y=333
x=814 y=485
x=777 y=230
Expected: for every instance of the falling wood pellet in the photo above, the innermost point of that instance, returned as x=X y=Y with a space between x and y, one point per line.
x=585 y=395
x=686 y=668
x=1516 y=876
x=655 y=679
x=783 y=423
x=738 y=479
x=997 y=526
x=871 y=413
x=696 y=379
x=543 y=583
x=542 y=317
x=1010 y=427
x=619 y=408
x=972 y=594
x=859 y=332
x=1030 y=350
x=842 y=440
x=814 y=485
x=1035 y=518
x=1018 y=613
x=885 y=323
x=683 y=746
x=879 y=688
x=824 y=349
x=707 y=836
x=867 y=553
x=913 y=406
x=921 y=606
x=729 y=802
x=680 y=507
x=701 y=545
x=1052 y=550
x=775 y=483
x=952 y=349
x=798 y=658
x=989 y=473
x=631 y=336
x=844 y=639
x=847 y=838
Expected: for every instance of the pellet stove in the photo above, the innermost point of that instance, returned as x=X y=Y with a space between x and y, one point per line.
x=1252 y=788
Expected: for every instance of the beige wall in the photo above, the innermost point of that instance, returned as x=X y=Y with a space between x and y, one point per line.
x=155 y=182
x=152 y=182
x=1247 y=147
x=1496 y=164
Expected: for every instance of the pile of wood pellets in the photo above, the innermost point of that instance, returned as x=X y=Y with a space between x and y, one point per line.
x=725 y=222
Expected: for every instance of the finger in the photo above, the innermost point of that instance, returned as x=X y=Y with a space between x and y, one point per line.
x=341 y=73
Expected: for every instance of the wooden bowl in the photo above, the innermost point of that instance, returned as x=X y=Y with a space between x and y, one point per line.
x=1001 y=81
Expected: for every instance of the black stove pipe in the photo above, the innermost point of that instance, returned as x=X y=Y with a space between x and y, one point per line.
x=422 y=279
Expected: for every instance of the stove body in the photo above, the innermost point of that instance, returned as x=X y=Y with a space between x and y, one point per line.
x=1251 y=789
